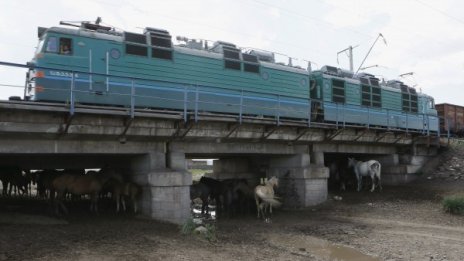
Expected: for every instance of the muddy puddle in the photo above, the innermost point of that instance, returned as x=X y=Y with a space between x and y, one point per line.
x=304 y=245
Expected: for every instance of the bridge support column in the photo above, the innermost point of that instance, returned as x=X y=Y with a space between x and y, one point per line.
x=401 y=169
x=301 y=184
x=166 y=190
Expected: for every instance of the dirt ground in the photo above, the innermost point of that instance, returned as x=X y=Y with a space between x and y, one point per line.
x=401 y=223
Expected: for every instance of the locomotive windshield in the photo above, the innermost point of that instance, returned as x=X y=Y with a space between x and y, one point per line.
x=60 y=45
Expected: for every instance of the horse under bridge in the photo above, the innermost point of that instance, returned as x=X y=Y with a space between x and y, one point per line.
x=154 y=145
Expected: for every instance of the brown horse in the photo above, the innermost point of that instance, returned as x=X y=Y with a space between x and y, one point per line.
x=131 y=191
x=264 y=196
x=121 y=190
x=90 y=184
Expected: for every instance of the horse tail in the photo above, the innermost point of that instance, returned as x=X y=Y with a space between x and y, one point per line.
x=270 y=200
x=376 y=167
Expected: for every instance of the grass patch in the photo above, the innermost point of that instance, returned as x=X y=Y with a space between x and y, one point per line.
x=208 y=231
x=198 y=173
x=211 y=232
x=454 y=204
x=188 y=227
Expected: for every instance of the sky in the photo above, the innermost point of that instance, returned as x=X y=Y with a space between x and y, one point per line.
x=424 y=39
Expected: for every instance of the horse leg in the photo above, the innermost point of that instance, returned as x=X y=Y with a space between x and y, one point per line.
x=204 y=205
x=117 y=203
x=94 y=202
x=373 y=182
x=60 y=204
x=379 y=183
x=134 y=202
x=258 y=207
x=359 y=179
x=123 y=201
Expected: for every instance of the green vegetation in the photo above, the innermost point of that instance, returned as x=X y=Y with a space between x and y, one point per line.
x=454 y=204
x=188 y=227
x=208 y=231
x=198 y=173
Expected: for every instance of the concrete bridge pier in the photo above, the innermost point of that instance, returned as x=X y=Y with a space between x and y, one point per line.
x=301 y=183
x=400 y=169
x=165 y=181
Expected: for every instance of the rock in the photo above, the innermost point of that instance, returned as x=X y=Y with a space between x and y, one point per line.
x=338 y=198
x=200 y=230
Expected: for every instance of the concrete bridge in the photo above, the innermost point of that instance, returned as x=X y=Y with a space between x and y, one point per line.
x=154 y=146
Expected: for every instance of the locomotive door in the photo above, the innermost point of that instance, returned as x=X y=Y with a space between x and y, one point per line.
x=316 y=104
x=98 y=67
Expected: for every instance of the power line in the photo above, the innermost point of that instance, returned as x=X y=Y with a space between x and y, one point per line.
x=441 y=12
x=313 y=18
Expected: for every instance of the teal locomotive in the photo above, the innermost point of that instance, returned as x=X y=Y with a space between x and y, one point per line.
x=94 y=64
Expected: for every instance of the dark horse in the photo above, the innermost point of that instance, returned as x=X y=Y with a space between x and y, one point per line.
x=90 y=184
x=216 y=190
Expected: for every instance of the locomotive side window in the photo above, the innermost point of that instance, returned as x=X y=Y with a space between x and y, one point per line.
x=250 y=63
x=52 y=46
x=161 y=46
x=135 y=38
x=137 y=45
x=161 y=53
x=365 y=95
x=65 y=46
x=338 y=91
x=136 y=50
x=232 y=58
x=376 y=97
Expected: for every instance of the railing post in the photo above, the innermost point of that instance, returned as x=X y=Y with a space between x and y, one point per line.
x=132 y=108
x=310 y=113
x=196 y=104
x=185 y=104
x=241 y=107
x=344 y=111
x=71 y=105
x=336 y=112
x=90 y=70
x=388 y=119
x=368 y=117
x=407 y=122
x=107 y=72
x=278 y=110
x=428 y=126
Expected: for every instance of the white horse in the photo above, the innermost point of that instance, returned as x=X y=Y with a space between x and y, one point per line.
x=265 y=194
x=368 y=168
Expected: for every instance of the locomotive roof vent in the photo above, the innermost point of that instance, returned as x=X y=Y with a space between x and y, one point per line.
x=330 y=70
x=367 y=78
x=262 y=55
x=152 y=30
x=395 y=84
x=345 y=73
x=219 y=46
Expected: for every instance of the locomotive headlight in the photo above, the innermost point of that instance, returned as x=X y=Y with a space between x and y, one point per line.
x=39 y=74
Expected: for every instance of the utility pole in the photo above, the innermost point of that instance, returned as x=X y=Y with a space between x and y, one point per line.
x=350 y=55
